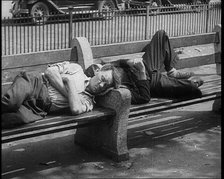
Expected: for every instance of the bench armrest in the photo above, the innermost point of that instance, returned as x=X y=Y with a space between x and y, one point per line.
x=116 y=99
x=115 y=135
x=218 y=48
x=110 y=138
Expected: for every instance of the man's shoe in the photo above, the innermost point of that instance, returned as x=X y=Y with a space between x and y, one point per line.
x=11 y=120
x=198 y=81
x=173 y=73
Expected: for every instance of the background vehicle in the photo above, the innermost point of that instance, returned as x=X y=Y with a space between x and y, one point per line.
x=40 y=9
x=158 y=3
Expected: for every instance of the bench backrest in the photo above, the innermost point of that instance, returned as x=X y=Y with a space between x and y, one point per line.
x=38 y=61
x=82 y=53
x=137 y=46
x=13 y=64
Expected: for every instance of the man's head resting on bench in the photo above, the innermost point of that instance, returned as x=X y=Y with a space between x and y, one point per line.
x=103 y=78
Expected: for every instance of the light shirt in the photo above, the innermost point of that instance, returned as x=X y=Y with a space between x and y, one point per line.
x=81 y=81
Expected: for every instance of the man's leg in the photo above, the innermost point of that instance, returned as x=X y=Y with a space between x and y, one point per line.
x=159 y=53
x=16 y=94
x=25 y=89
x=163 y=86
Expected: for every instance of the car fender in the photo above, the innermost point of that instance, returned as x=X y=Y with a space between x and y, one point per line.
x=203 y=1
x=117 y=2
x=48 y=2
x=32 y=1
x=114 y=1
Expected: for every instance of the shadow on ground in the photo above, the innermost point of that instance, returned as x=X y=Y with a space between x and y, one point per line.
x=184 y=142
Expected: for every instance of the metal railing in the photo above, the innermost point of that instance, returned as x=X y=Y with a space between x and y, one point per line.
x=26 y=34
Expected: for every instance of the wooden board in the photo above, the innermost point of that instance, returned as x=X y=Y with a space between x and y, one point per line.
x=56 y=123
x=114 y=49
x=211 y=89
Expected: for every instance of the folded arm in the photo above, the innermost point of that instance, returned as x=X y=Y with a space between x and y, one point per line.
x=75 y=101
x=140 y=90
x=55 y=79
x=140 y=93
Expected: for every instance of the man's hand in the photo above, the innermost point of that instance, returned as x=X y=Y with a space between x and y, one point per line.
x=55 y=79
x=66 y=78
x=138 y=68
x=75 y=103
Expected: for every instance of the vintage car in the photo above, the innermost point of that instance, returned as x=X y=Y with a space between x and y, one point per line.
x=40 y=9
x=158 y=3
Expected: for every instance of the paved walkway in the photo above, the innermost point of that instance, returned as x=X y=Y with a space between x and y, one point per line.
x=193 y=151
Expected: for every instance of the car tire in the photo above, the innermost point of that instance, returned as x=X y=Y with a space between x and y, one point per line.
x=155 y=4
x=196 y=5
x=39 y=13
x=106 y=9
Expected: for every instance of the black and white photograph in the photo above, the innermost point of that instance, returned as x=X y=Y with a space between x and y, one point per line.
x=111 y=89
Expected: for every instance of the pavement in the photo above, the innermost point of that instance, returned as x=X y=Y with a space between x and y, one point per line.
x=189 y=149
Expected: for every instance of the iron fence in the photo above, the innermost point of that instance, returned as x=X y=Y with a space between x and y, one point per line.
x=27 y=34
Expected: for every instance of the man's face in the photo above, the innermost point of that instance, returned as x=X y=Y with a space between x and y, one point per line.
x=100 y=82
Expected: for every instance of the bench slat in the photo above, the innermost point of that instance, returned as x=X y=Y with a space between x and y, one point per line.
x=212 y=84
x=166 y=106
x=57 y=121
x=9 y=74
x=167 y=126
x=211 y=91
x=39 y=132
x=35 y=58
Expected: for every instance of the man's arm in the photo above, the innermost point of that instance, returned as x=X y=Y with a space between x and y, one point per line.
x=55 y=79
x=75 y=103
x=142 y=94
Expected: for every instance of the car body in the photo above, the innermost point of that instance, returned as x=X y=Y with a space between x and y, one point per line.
x=40 y=8
x=157 y=3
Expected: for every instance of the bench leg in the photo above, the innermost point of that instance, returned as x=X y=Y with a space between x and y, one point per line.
x=104 y=138
x=109 y=136
x=216 y=107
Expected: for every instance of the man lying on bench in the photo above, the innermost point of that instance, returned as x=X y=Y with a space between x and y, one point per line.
x=144 y=79
x=63 y=85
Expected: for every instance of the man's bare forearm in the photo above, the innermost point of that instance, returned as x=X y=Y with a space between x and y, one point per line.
x=55 y=80
x=75 y=103
x=141 y=75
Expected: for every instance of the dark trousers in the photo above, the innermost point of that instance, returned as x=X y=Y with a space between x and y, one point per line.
x=27 y=97
x=158 y=55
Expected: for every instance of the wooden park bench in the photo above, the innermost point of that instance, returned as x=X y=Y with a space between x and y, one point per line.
x=105 y=128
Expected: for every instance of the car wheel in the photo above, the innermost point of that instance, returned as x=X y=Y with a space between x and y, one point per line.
x=196 y=5
x=39 y=13
x=106 y=9
x=155 y=4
